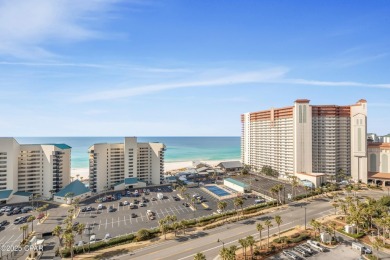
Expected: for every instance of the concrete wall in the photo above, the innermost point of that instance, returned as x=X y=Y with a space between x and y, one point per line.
x=233 y=186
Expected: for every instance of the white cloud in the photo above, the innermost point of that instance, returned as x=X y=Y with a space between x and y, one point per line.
x=229 y=79
x=330 y=83
x=27 y=26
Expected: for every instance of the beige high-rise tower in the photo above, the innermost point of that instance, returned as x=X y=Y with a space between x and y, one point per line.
x=306 y=138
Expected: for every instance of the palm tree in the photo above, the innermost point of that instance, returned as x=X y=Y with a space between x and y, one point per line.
x=69 y=242
x=243 y=244
x=232 y=252
x=279 y=221
x=332 y=225
x=316 y=226
x=238 y=202
x=184 y=224
x=164 y=229
x=259 y=228
x=69 y=195
x=224 y=253
x=77 y=176
x=80 y=229
x=57 y=231
x=24 y=229
x=31 y=219
x=222 y=206
x=268 y=224
x=250 y=242
x=175 y=227
x=273 y=194
x=294 y=184
x=335 y=205
x=199 y=256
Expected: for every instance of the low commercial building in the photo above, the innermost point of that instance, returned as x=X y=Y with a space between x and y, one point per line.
x=314 y=179
x=70 y=192
x=236 y=185
x=379 y=160
x=231 y=166
x=129 y=183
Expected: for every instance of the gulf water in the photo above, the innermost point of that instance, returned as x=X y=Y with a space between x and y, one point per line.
x=178 y=148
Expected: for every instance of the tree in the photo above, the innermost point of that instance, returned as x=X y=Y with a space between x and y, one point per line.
x=164 y=229
x=175 y=227
x=57 y=231
x=80 y=229
x=316 y=226
x=199 y=256
x=250 y=242
x=335 y=205
x=238 y=202
x=278 y=221
x=69 y=242
x=24 y=229
x=222 y=206
x=31 y=219
x=243 y=244
x=268 y=224
x=332 y=225
x=69 y=195
x=294 y=184
x=224 y=253
x=259 y=228
x=143 y=234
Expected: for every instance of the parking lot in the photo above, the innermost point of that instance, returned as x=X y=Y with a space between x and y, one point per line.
x=343 y=251
x=10 y=235
x=122 y=222
x=264 y=184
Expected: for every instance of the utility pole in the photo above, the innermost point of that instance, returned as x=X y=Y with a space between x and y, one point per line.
x=220 y=241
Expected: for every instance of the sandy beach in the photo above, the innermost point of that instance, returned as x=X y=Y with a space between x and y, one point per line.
x=168 y=166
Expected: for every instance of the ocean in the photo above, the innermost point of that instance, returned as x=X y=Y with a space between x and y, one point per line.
x=179 y=149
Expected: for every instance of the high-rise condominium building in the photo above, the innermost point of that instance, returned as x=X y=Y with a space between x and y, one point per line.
x=41 y=169
x=379 y=159
x=111 y=163
x=306 y=139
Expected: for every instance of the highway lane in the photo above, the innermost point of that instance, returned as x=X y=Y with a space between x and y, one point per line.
x=206 y=241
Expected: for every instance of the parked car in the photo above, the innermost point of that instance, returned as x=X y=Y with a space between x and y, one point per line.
x=18 y=220
x=125 y=203
x=142 y=205
x=100 y=207
x=41 y=215
x=75 y=225
x=154 y=199
x=176 y=198
x=89 y=209
x=111 y=209
x=307 y=248
x=289 y=254
x=84 y=209
x=133 y=215
x=121 y=203
x=10 y=213
x=300 y=251
x=4 y=223
x=185 y=204
x=107 y=236
x=92 y=239
x=80 y=243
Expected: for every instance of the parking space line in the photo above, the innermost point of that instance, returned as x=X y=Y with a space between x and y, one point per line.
x=162 y=212
x=100 y=223
x=118 y=221
x=9 y=239
x=124 y=219
x=136 y=220
x=112 y=223
x=106 y=223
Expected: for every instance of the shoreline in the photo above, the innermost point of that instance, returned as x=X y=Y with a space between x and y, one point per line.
x=168 y=166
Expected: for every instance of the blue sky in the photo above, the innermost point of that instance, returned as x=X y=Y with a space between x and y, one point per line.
x=183 y=67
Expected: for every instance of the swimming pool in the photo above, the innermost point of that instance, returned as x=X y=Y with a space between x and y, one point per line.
x=217 y=191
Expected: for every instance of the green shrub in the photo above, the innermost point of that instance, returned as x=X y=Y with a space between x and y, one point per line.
x=356 y=236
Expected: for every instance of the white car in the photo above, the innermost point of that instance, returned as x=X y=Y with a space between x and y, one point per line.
x=125 y=203
x=107 y=236
x=219 y=211
x=100 y=206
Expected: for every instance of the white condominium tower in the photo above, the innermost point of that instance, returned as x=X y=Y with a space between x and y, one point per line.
x=307 y=139
x=111 y=163
x=40 y=169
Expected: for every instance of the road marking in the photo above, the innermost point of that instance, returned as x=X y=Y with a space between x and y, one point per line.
x=9 y=239
x=100 y=224
x=106 y=223
x=124 y=219
x=118 y=221
x=136 y=220
x=162 y=213
x=112 y=222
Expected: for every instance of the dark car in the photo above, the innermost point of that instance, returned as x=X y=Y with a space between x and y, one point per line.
x=16 y=211
x=133 y=215
x=84 y=209
x=25 y=210
x=176 y=198
x=89 y=209
x=10 y=213
x=111 y=209
x=120 y=203
x=145 y=201
x=154 y=199
x=75 y=225
x=4 y=223
x=185 y=204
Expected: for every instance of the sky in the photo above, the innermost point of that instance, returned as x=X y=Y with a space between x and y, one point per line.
x=184 y=67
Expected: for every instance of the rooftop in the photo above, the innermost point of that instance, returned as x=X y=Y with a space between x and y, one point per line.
x=230 y=164
x=23 y=193
x=76 y=187
x=241 y=184
x=4 y=194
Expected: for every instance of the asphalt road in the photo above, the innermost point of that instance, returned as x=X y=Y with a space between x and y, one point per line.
x=206 y=241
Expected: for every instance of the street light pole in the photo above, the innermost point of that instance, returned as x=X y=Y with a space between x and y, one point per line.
x=305 y=215
x=223 y=243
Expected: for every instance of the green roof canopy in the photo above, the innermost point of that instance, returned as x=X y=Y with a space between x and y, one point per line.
x=4 y=194
x=76 y=187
